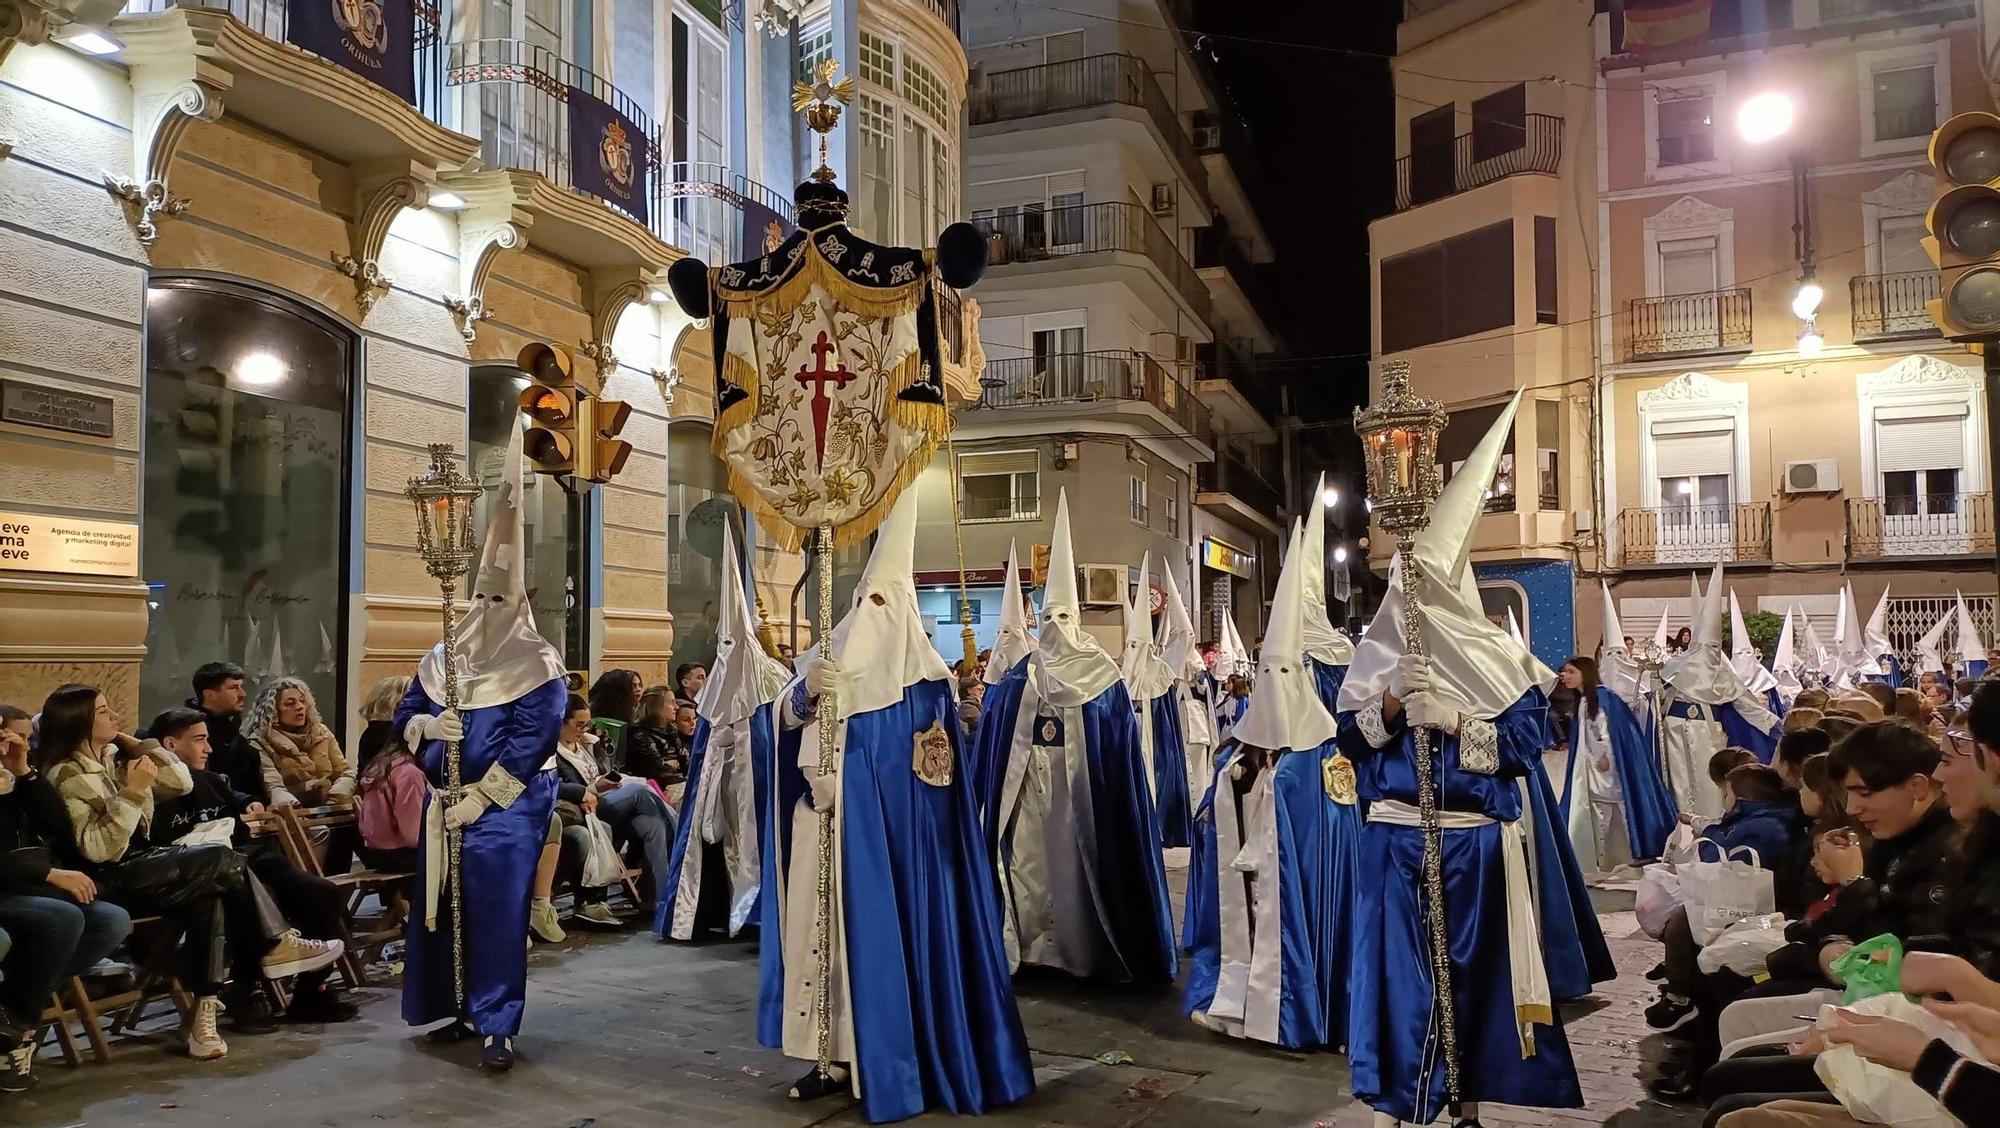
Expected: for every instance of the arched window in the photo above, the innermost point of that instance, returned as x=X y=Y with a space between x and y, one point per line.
x=245 y=513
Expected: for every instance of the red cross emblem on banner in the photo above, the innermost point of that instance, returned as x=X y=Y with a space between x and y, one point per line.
x=817 y=376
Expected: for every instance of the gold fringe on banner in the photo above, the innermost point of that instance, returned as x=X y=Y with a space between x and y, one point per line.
x=848 y=296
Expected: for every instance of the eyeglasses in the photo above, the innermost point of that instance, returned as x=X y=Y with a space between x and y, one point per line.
x=1959 y=743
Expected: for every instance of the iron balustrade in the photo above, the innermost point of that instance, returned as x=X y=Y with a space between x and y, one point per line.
x=1094 y=377
x=270 y=19
x=1892 y=305
x=1085 y=229
x=518 y=93
x=1232 y=475
x=1695 y=534
x=707 y=204
x=1690 y=324
x=1215 y=247
x=1434 y=172
x=1078 y=84
x=1880 y=528
x=1844 y=11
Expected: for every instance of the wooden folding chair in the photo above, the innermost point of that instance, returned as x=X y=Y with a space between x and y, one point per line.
x=355 y=886
x=69 y=1003
x=154 y=943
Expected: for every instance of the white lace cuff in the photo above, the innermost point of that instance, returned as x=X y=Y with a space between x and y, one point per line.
x=1478 y=746
x=499 y=787
x=1373 y=728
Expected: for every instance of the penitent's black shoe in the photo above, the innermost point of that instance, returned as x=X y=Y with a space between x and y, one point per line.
x=816 y=1084
x=497 y=1054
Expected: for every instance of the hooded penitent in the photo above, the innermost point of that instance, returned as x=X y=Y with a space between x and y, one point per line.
x=1710 y=709
x=1971 y=651
x=1743 y=655
x=726 y=802
x=1180 y=652
x=1930 y=648
x=1616 y=668
x=1271 y=880
x=1067 y=800
x=1523 y=943
x=921 y=1006
x=1151 y=683
x=1015 y=640
x=1883 y=664
x=1325 y=643
x=1785 y=664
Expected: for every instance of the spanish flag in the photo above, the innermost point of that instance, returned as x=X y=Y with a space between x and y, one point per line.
x=1654 y=24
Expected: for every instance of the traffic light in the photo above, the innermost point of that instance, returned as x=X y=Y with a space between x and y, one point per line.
x=602 y=452
x=1038 y=565
x=550 y=402
x=1964 y=227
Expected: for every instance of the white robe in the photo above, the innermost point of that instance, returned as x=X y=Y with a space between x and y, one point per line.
x=798 y=918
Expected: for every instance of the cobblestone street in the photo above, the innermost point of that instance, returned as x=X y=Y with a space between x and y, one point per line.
x=623 y=1030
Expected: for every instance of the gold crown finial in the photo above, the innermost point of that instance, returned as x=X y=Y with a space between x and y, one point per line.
x=821 y=101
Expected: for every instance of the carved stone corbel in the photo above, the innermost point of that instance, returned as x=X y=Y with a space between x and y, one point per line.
x=975 y=350
x=380 y=196
x=21 y=21
x=667 y=379
x=600 y=352
x=163 y=107
x=482 y=234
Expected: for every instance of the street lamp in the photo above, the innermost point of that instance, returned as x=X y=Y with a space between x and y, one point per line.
x=1329 y=497
x=1767 y=117
x=1764 y=117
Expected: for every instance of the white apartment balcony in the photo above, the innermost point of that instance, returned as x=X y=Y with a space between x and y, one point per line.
x=1113 y=390
x=1024 y=248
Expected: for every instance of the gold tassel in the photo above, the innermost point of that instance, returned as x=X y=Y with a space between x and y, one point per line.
x=848 y=296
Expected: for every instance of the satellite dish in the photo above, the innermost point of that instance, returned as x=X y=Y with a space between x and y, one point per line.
x=704 y=523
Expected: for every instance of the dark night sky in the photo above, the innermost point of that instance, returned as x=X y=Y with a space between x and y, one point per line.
x=1311 y=80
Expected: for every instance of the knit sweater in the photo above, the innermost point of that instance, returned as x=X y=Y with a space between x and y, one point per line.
x=103 y=814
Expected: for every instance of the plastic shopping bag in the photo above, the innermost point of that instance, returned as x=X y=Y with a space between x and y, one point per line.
x=1744 y=946
x=1877 y=1094
x=1870 y=968
x=1659 y=897
x=1720 y=893
x=1681 y=844
x=602 y=865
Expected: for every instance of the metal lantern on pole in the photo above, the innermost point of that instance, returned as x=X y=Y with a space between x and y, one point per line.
x=1399 y=436
x=444 y=497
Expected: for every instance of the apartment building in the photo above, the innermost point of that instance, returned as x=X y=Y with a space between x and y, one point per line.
x=1118 y=322
x=260 y=255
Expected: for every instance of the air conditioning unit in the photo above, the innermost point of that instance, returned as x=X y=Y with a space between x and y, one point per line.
x=1103 y=585
x=1207 y=137
x=1818 y=475
x=1163 y=199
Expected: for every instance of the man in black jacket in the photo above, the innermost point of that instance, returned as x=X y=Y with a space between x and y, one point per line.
x=309 y=902
x=220 y=696
x=58 y=925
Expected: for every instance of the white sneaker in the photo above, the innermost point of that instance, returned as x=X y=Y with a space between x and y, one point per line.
x=599 y=913
x=294 y=954
x=542 y=921
x=204 y=1042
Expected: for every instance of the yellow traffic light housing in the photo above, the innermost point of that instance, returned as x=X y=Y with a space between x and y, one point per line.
x=550 y=401
x=604 y=453
x=1964 y=227
x=1038 y=565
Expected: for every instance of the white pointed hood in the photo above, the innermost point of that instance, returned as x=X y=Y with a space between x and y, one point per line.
x=1875 y=636
x=1850 y=653
x=743 y=677
x=1702 y=673
x=1930 y=648
x=1514 y=629
x=1324 y=642
x=1285 y=710
x=1615 y=666
x=501 y=656
x=1815 y=659
x=1480 y=670
x=1231 y=656
x=1785 y=662
x=1146 y=675
x=1970 y=648
x=1660 y=632
x=1016 y=641
x=1179 y=648
x=1074 y=668
x=1743 y=655
x=880 y=646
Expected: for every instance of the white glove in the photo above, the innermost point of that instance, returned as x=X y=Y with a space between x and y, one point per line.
x=825 y=792
x=445 y=726
x=465 y=811
x=821 y=678
x=1411 y=676
x=722 y=740
x=1424 y=710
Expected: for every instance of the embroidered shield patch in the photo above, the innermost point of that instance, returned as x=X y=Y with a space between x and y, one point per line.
x=1049 y=731
x=930 y=759
x=1337 y=774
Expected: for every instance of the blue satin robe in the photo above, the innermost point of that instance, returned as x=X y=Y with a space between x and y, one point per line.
x=1170 y=782
x=1201 y=921
x=1392 y=1038
x=1229 y=713
x=1740 y=733
x=1650 y=814
x=499 y=852
x=992 y=743
x=935 y=1024
x=762 y=745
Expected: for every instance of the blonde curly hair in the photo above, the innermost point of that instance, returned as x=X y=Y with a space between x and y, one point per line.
x=383 y=697
x=264 y=713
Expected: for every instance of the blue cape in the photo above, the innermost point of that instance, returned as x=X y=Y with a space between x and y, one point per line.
x=1650 y=814
x=1170 y=782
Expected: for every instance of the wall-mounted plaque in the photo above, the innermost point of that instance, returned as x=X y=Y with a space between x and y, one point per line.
x=32 y=405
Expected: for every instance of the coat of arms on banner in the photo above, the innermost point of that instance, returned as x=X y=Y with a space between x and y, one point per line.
x=614 y=157
x=363 y=23
x=820 y=340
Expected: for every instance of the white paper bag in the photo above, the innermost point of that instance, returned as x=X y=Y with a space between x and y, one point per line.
x=602 y=865
x=1877 y=1094
x=1720 y=893
x=214 y=832
x=1658 y=898
x=1744 y=946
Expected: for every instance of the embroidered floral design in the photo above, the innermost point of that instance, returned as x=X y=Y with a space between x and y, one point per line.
x=832 y=249
x=1478 y=746
x=902 y=272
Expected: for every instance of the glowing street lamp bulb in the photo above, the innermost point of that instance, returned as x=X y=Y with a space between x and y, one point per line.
x=1329 y=497
x=1340 y=554
x=1685 y=487
x=260 y=369
x=1810 y=342
x=1805 y=302
x=1764 y=117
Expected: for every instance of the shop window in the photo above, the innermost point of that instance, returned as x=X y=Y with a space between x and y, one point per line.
x=551 y=517
x=246 y=498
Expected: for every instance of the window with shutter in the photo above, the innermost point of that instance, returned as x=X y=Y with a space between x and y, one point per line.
x=1000 y=485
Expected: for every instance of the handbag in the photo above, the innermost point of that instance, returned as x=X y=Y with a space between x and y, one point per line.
x=1722 y=892
x=602 y=864
x=1658 y=898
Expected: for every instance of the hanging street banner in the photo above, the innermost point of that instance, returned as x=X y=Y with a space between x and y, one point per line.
x=609 y=155
x=375 y=39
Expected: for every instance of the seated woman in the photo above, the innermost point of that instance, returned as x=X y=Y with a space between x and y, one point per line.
x=623 y=803
x=303 y=763
x=58 y=925
x=655 y=749
x=234 y=935
x=378 y=713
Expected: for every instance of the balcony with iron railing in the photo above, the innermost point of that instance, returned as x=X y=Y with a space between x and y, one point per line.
x=1213 y=247
x=1889 y=306
x=1081 y=84
x=1686 y=535
x=1689 y=324
x=1086 y=229
x=1852 y=11
x=1494 y=152
x=1229 y=476
x=720 y=215
x=1887 y=528
x=1108 y=377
